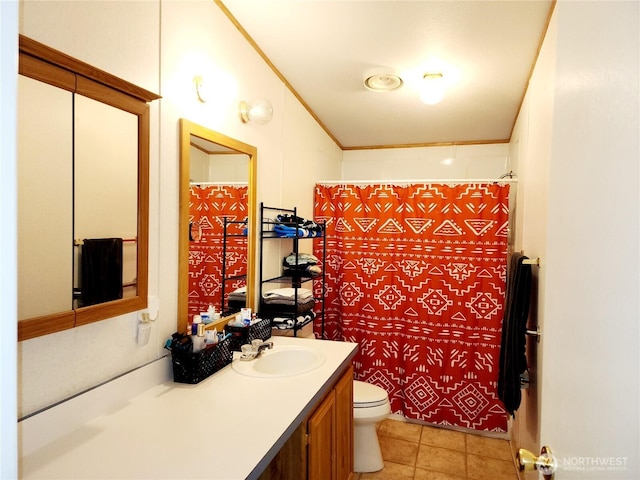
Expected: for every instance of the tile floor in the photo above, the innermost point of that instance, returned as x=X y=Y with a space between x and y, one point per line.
x=417 y=452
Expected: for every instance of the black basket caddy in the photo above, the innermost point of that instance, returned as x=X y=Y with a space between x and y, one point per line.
x=190 y=367
x=243 y=335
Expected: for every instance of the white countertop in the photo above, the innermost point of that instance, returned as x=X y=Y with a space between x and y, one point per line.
x=228 y=426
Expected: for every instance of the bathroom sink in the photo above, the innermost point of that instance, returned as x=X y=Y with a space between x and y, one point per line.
x=281 y=361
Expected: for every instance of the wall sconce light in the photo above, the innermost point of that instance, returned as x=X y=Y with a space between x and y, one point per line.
x=259 y=111
x=201 y=89
x=432 y=89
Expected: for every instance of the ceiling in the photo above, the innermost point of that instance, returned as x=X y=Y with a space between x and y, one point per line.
x=323 y=50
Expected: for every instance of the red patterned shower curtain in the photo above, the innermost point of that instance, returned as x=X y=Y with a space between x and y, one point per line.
x=416 y=276
x=208 y=206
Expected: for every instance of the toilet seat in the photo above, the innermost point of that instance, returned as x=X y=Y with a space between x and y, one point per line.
x=366 y=395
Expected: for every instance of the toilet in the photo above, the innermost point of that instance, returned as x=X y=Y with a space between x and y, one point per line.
x=370 y=407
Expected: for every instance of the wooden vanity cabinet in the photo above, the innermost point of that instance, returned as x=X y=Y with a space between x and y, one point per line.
x=322 y=446
x=344 y=426
x=321 y=440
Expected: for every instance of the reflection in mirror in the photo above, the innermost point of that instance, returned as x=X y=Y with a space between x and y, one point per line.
x=218 y=205
x=217 y=213
x=105 y=202
x=45 y=199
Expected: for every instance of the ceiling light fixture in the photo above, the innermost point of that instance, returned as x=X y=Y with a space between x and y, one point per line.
x=432 y=89
x=259 y=111
x=383 y=82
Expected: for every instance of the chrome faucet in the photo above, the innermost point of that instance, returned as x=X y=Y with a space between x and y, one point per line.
x=255 y=349
x=260 y=346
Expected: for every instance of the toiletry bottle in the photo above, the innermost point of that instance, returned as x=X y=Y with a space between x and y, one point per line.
x=245 y=314
x=211 y=337
x=197 y=334
x=197 y=319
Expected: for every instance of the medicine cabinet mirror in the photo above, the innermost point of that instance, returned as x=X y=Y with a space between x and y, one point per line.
x=83 y=192
x=217 y=219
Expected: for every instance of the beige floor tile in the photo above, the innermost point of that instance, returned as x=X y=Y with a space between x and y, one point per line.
x=441 y=460
x=391 y=471
x=399 y=429
x=398 y=451
x=441 y=437
x=483 y=468
x=431 y=475
x=489 y=447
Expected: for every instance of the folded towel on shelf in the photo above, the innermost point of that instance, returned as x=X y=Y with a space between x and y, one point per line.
x=299 y=221
x=301 y=260
x=309 y=271
x=238 y=294
x=237 y=298
x=291 y=226
x=292 y=232
x=284 y=323
x=287 y=308
x=287 y=295
x=284 y=300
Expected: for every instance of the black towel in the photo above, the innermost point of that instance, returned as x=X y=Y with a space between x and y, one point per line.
x=101 y=270
x=513 y=360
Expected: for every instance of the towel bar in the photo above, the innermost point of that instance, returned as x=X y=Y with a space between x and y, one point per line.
x=534 y=333
x=78 y=243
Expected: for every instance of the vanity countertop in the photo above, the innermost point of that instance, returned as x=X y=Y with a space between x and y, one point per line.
x=228 y=426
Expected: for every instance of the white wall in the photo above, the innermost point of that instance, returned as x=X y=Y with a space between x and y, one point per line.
x=161 y=46
x=8 y=237
x=305 y=160
x=121 y=38
x=197 y=39
x=530 y=149
x=590 y=400
x=437 y=162
x=226 y=168
x=577 y=149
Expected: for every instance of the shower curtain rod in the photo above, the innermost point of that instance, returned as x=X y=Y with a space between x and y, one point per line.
x=218 y=183
x=430 y=180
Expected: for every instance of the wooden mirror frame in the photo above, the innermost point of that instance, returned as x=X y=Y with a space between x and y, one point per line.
x=187 y=129
x=50 y=66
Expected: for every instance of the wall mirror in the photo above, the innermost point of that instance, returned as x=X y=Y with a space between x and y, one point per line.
x=83 y=192
x=217 y=220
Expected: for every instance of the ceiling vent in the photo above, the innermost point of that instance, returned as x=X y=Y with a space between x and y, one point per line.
x=383 y=82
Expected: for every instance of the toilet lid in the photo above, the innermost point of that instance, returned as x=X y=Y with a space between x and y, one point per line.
x=366 y=395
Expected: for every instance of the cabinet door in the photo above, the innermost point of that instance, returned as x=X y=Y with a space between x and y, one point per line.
x=45 y=199
x=344 y=426
x=291 y=461
x=322 y=436
x=105 y=173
